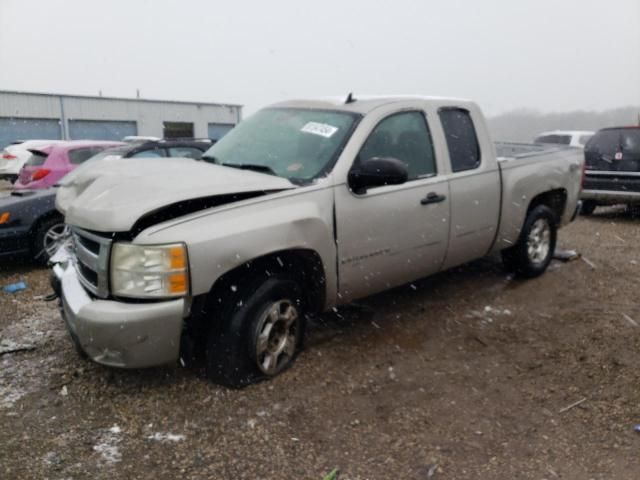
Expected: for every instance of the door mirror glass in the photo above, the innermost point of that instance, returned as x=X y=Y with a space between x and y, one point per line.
x=376 y=172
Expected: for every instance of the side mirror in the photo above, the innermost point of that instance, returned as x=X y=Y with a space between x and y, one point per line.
x=376 y=172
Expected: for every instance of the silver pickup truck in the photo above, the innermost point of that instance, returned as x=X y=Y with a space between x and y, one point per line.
x=303 y=206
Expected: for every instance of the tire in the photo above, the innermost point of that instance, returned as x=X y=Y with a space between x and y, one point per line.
x=531 y=256
x=49 y=235
x=634 y=210
x=257 y=333
x=588 y=207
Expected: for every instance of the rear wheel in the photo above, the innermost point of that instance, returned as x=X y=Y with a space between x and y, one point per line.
x=48 y=238
x=588 y=207
x=532 y=254
x=256 y=334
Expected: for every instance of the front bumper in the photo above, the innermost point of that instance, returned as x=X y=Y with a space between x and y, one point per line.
x=119 y=334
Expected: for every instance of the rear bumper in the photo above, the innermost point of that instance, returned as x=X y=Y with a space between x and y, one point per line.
x=610 y=196
x=119 y=334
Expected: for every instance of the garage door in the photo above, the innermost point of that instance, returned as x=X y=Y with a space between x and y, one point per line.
x=219 y=130
x=101 y=129
x=12 y=129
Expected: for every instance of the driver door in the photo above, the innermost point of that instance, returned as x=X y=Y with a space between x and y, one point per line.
x=393 y=234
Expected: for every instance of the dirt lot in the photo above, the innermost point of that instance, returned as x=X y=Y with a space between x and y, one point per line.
x=464 y=375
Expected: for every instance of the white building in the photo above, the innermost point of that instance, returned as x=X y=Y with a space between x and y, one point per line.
x=26 y=115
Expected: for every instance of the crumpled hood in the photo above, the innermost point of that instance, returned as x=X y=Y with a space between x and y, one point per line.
x=112 y=195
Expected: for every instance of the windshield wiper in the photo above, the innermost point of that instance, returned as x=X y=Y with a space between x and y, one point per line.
x=251 y=166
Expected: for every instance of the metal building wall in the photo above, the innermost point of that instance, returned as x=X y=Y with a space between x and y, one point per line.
x=148 y=115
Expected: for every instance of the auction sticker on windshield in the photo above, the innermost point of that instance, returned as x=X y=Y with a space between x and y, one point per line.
x=321 y=129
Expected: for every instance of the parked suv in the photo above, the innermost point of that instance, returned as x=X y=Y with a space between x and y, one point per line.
x=613 y=169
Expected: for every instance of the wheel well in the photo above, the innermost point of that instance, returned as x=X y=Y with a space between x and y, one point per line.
x=554 y=199
x=303 y=264
x=41 y=219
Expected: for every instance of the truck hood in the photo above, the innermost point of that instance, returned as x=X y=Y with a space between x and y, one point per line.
x=112 y=196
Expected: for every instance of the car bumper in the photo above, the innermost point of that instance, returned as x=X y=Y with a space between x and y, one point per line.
x=10 y=177
x=119 y=334
x=610 y=196
x=14 y=243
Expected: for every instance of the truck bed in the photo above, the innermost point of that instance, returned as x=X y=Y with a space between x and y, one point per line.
x=525 y=150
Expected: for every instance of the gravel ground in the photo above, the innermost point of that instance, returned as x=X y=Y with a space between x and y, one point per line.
x=468 y=374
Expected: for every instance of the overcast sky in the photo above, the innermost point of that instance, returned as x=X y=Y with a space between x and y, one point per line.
x=549 y=55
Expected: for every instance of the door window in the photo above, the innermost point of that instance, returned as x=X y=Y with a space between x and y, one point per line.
x=188 y=152
x=157 y=152
x=80 y=155
x=406 y=137
x=462 y=141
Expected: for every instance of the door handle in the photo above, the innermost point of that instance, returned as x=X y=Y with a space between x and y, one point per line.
x=433 y=197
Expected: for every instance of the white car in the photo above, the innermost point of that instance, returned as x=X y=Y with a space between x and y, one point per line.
x=570 y=138
x=14 y=156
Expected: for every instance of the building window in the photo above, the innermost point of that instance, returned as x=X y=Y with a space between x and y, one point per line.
x=177 y=129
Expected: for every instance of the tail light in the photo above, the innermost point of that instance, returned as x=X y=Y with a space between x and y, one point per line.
x=584 y=174
x=40 y=174
x=8 y=156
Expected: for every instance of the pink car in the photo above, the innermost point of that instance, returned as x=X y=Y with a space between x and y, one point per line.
x=48 y=164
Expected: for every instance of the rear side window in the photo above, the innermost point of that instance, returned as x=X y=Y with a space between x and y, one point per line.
x=631 y=142
x=600 y=151
x=36 y=159
x=554 y=139
x=462 y=141
x=80 y=155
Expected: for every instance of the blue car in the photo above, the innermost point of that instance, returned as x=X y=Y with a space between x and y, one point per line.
x=30 y=225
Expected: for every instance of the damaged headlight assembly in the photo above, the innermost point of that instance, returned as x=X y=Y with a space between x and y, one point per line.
x=149 y=271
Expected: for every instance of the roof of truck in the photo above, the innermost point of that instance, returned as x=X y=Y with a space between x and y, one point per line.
x=365 y=103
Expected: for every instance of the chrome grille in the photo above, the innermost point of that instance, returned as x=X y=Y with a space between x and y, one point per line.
x=92 y=261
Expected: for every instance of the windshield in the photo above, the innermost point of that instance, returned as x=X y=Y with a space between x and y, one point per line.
x=293 y=143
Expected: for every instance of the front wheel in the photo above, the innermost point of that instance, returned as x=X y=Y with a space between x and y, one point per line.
x=532 y=254
x=48 y=238
x=257 y=334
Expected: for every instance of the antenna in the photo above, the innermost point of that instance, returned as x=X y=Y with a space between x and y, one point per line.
x=349 y=99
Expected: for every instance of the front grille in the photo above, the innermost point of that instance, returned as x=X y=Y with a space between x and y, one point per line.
x=92 y=261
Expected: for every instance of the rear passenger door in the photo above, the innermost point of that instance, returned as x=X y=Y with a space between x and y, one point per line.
x=474 y=184
x=393 y=234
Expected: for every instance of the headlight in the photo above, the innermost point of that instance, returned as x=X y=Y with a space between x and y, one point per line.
x=153 y=271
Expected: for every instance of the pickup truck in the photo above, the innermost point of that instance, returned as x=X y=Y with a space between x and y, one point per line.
x=305 y=205
x=612 y=174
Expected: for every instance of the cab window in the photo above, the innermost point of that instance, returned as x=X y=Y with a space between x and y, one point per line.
x=462 y=141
